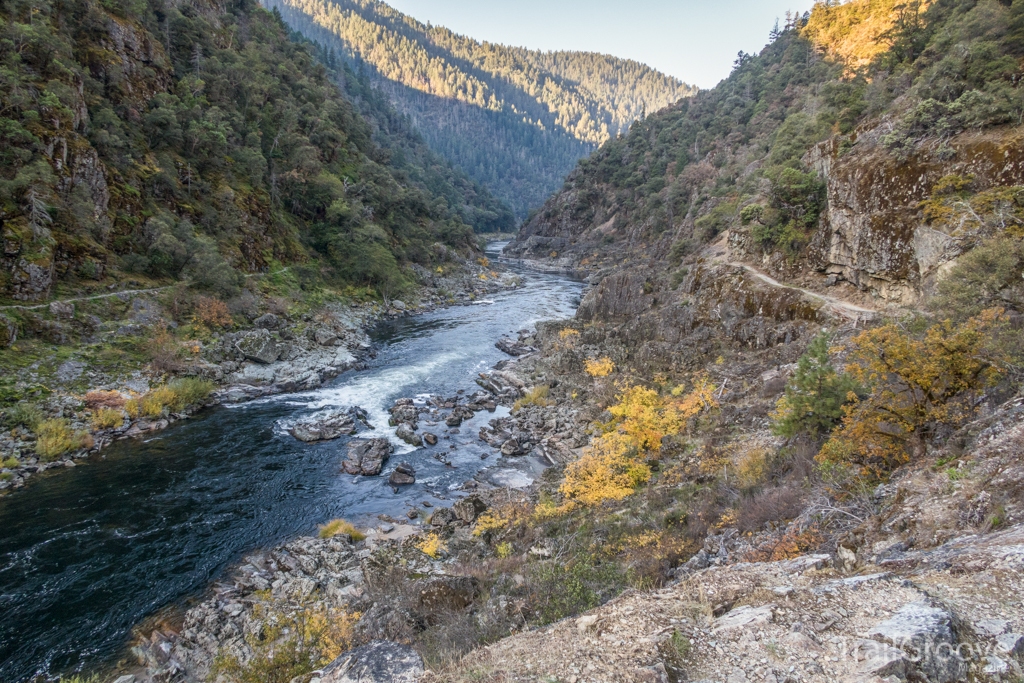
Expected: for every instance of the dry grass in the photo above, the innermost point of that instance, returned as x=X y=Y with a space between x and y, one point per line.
x=107 y=418
x=340 y=526
x=537 y=396
x=55 y=437
x=95 y=400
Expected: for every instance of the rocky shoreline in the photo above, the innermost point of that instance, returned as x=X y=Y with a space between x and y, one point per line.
x=344 y=574
x=276 y=354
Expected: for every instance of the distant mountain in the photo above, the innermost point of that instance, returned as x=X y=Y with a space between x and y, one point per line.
x=514 y=119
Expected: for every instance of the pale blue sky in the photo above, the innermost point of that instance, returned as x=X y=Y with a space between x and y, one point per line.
x=693 y=40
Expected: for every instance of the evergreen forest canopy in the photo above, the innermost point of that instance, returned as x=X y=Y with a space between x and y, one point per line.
x=197 y=141
x=735 y=157
x=516 y=120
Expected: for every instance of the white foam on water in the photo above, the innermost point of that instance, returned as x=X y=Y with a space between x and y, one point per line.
x=374 y=392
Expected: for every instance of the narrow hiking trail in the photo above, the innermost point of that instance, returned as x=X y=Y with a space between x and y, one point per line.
x=845 y=308
x=86 y=298
x=23 y=307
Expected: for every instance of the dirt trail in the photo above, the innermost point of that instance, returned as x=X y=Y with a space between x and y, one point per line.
x=845 y=308
x=86 y=298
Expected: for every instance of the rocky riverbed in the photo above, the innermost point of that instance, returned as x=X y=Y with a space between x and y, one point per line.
x=343 y=574
x=276 y=354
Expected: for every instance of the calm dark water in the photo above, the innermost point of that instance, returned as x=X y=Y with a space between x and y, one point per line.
x=86 y=554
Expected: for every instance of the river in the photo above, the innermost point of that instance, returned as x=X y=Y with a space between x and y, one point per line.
x=87 y=554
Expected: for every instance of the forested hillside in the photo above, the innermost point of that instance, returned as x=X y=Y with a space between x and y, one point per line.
x=513 y=118
x=859 y=129
x=198 y=142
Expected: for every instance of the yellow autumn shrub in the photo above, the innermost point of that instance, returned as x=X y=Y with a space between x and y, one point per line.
x=341 y=526
x=919 y=385
x=615 y=463
x=107 y=418
x=432 y=546
x=601 y=367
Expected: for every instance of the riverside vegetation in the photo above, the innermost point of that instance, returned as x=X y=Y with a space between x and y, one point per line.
x=170 y=174
x=785 y=424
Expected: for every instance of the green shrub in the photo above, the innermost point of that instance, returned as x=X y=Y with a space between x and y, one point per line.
x=55 y=437
x=990 y=275
x=815 y=396
x=560 y=590
x=9 y=463
x=189 y=391
x=23 y=415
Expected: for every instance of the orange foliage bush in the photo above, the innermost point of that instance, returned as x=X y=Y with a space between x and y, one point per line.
x=918 y=386
x=212 y=313
x=97 y=399
x=613 y=466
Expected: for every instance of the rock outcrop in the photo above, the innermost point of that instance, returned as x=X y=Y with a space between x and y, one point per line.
x=367 y=456
x=324 y=427
x=376 y=662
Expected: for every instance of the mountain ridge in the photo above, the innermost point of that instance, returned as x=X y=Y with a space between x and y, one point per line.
x=512 y=103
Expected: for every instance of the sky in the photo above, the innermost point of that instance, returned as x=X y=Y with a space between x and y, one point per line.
x=693 y=40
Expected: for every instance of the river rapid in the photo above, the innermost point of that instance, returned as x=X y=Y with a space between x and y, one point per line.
x=89 y=553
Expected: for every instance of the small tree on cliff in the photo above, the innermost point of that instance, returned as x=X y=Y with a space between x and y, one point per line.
x=815 y=396
x=920 y=388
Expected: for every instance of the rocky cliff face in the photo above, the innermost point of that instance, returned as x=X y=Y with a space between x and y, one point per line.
x=874 y=234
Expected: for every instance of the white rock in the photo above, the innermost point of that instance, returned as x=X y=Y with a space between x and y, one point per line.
x=992 y=627
x=1011 y=644
x=925 y=631
x=994 y=665
x=878 y=659
x=744 y=617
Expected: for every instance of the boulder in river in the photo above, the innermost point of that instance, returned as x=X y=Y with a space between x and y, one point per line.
x=324 y=427
x=405 y=413
x=405 y=433
x=367 y=456
x=403 y=475
x=431 y=439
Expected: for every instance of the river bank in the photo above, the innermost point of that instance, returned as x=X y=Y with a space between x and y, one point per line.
x=375 y=577
x=94 y=551
x=263 y=353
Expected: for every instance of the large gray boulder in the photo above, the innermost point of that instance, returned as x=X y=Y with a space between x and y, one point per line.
x=406 y=433
x=258 y=346
x=924 y=630
x=267 y=321
x=403 y=475
x=324 y=427
x=468 y=509
x=380 y=661
x=367 y=456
